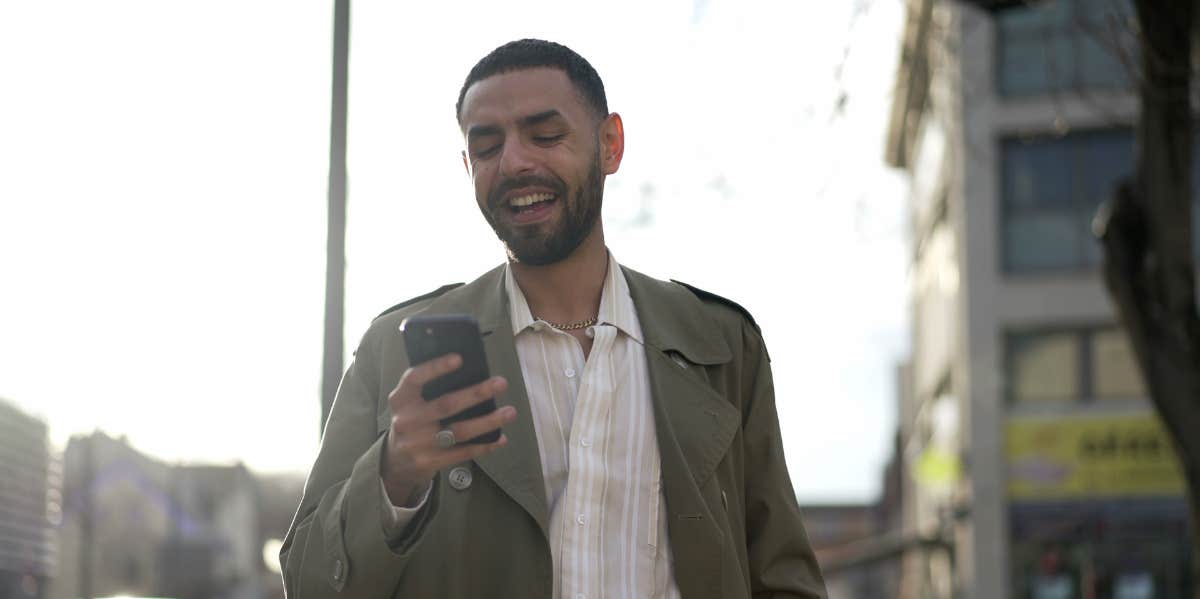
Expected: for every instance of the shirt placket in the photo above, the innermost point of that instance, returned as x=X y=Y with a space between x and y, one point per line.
x=582 y=555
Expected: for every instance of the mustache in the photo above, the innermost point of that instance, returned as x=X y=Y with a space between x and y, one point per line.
x=506 y=185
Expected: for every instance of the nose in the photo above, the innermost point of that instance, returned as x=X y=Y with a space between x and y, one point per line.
x=515 y=158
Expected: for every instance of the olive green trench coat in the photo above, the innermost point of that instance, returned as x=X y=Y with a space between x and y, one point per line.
x=734 y=525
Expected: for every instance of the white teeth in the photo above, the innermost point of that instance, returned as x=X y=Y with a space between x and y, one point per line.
x=533 y=198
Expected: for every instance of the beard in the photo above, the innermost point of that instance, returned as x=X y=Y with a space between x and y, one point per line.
x=539 y=245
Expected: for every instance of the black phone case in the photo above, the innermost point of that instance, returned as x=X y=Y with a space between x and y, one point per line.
x=429 y=337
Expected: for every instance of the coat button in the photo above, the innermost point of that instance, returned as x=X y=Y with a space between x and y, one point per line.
x=338 y=570
x=460 y=478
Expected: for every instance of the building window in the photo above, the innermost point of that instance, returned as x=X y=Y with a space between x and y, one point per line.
x=1042 y=367
x=1052 y=187
x=1114 y=371
x=1068 y=365
x=1065 y=45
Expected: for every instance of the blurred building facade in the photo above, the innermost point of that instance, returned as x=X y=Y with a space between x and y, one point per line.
x=1031 y=445
x=834 y=532
x=133 y=525
x=30 y=504
x=860 y=547
x=117 y=512
x=214 y=549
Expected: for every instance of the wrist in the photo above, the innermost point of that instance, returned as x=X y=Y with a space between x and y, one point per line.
x=406 y=496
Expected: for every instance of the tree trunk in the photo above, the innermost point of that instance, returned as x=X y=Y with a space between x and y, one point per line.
x=1146 y=232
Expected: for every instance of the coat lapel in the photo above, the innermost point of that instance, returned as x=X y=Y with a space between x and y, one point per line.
x=517 y=468
x=695 y=425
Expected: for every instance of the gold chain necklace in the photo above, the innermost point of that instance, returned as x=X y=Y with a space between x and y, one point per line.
x=573 y=326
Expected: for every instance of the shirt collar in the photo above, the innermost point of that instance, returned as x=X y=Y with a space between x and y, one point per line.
x=518 y=308
x=616 y=305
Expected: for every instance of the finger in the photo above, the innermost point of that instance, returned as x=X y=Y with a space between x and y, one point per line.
x=463 y=453
x=415 y=451
x=457 y=401
x=416 y=377
x=424 y=438
x=413 y=432
x=469 y=429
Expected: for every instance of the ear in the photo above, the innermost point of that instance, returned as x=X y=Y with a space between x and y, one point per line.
x=466 y=165
x=612 y=143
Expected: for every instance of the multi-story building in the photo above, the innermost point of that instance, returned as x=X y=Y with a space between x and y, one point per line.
x=1026 y=424
x=117 y=513
x=136 y=526
x=29 y=504
x=215 y=547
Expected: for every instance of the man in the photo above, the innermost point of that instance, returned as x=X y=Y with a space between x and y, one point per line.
x=641 y=453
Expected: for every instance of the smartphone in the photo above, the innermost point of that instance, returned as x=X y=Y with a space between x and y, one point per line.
x=429 y=337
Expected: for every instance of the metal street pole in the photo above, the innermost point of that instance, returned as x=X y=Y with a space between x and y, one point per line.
x=335 y=247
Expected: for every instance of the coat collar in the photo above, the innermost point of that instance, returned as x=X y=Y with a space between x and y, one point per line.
x=674 y=320
x=483 y=298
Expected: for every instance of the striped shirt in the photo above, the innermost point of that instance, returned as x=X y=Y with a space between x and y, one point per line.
x=599 y=451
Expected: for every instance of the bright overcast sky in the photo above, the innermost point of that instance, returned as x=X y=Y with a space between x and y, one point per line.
x=163 y=192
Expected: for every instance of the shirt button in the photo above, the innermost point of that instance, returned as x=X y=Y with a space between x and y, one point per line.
x=585 y=442
x=591 y=332
x=570 y=372
x=580 y=520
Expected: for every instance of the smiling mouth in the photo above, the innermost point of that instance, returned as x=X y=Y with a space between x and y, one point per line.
x=530 y=203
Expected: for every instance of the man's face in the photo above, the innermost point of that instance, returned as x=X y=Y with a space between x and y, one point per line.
x=534 y=156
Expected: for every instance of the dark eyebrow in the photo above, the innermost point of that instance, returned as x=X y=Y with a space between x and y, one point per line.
x=541 y=117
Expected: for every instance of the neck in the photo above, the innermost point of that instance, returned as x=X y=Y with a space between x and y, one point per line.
x=568 y=290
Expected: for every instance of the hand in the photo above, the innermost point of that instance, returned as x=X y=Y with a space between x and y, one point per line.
x=412 y=457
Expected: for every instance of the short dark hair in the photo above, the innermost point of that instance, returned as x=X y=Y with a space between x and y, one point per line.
x=533 y=53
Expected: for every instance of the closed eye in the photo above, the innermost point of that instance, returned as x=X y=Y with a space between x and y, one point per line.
x=486 y=152
x=548 y=139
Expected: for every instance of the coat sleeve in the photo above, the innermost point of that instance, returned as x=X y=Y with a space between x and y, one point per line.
x=337 y=545
x=782 y=563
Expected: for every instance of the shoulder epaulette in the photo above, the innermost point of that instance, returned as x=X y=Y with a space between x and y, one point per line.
x=710 y=296
x=409 y=302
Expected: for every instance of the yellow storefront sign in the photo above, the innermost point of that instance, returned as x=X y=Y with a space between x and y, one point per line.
x=1093 y=456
